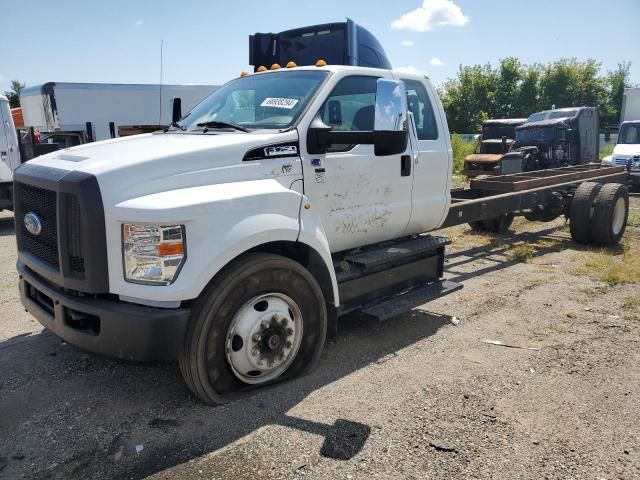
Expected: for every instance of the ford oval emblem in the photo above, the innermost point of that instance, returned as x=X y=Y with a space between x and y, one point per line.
x=32 y=223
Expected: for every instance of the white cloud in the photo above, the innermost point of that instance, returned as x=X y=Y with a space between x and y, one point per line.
x=408 y=69
x=139 y=22
x=407 y=43
x=436 y=62
x=432 y=13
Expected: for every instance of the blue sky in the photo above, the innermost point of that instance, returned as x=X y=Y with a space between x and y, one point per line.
x=206 y=42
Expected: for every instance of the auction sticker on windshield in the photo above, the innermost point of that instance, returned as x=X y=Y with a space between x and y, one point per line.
x=287 y=103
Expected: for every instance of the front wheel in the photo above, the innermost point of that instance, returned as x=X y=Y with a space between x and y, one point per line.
x=262 y=320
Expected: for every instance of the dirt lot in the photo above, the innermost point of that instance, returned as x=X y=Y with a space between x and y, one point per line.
x=415 y=397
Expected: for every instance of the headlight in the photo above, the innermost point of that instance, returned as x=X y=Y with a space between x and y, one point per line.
x=153 y=254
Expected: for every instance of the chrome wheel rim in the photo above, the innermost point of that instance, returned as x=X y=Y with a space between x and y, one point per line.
x=264 y=338
x=619 y=211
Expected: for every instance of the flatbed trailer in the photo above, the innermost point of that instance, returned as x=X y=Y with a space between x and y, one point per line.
x=492 y=197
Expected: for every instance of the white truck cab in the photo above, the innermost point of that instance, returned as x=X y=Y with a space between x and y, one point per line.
x=129 y=247
x=9 y=153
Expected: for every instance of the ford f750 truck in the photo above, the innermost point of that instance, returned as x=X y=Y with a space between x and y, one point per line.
x=234 y=240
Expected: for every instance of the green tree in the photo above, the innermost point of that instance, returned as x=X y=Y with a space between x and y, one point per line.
x=14 y=94
x=515 y=90
x=616 y=81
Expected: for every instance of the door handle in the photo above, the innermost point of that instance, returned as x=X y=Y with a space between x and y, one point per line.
x=405 y=165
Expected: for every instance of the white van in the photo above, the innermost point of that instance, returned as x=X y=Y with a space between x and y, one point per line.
x=9 y=154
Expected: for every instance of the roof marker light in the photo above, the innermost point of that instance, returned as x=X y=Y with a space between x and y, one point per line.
x=262 y=68
x=291 y=65
x=321 y=63
x=275 y=66
x=244 y=73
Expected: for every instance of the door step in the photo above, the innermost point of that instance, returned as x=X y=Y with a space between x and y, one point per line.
x=397 y=251
x=407 y=301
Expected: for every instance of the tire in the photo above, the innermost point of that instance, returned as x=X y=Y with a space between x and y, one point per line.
x=213 y=361
x=610 y=214
x=499 y=224
x=477 y=226
x=581 y=211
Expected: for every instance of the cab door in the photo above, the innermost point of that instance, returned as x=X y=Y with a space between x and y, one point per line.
x=432 y=160
x=360 y=198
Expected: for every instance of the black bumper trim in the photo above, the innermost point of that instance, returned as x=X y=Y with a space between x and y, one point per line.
x=126 y=331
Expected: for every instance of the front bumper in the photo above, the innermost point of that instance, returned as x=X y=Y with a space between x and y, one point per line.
x=107 y=327
x=634 y=177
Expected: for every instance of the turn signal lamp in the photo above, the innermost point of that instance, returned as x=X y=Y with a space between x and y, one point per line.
x=321 y=63
x=275 y=66
x=291 y=65
x=262 y=68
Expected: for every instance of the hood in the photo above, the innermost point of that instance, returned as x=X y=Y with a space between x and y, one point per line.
x=144 y=164
x=483 y=158
x=627 y=149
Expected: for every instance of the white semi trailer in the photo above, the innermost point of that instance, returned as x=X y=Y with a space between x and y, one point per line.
x=67 y=107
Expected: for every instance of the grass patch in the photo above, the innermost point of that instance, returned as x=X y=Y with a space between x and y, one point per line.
x=460 y=150
x=521 y=253
x=612 y=269
x=631 y=303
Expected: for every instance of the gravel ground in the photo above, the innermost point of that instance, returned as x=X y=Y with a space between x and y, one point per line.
x=420 y=396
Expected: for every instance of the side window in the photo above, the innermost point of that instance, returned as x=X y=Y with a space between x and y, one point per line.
x=350 y=107
x=420 y=105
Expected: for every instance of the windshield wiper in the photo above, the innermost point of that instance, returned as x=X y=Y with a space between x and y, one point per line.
x=175 y=124
x=216 y=124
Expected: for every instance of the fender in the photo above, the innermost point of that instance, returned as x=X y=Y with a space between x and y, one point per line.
x=222 y=222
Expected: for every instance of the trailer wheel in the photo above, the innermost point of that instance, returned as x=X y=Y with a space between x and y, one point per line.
x=499 y=224
x=261 y=321
x=610 y=214
x=582 y=211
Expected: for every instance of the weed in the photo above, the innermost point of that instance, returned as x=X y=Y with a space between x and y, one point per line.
x=521 y=253
x=611 y=269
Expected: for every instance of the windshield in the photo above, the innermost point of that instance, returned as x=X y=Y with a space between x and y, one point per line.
x=629 y=134
x=265 y=101
x=498 y=132
x=563 y=113
x=534 y=135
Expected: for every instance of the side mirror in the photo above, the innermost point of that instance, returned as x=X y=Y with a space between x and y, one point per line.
x=390 y=126
x=388 y=118
x=504 y=144
x=176 y=111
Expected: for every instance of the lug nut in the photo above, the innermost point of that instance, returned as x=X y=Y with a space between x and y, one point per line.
x=289 y=331
x=254 y=352
x=283 y=322
x=274 y=319
x=264 y=324
x=257 y=338
x=287 y=345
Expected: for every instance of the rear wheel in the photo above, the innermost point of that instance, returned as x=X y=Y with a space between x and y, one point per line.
x=582 y=211
x=610 y=213
x=262 y=320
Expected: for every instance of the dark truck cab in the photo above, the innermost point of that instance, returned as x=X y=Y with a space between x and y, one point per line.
x=553 y=139
x=498 y=136
x=340 y=43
